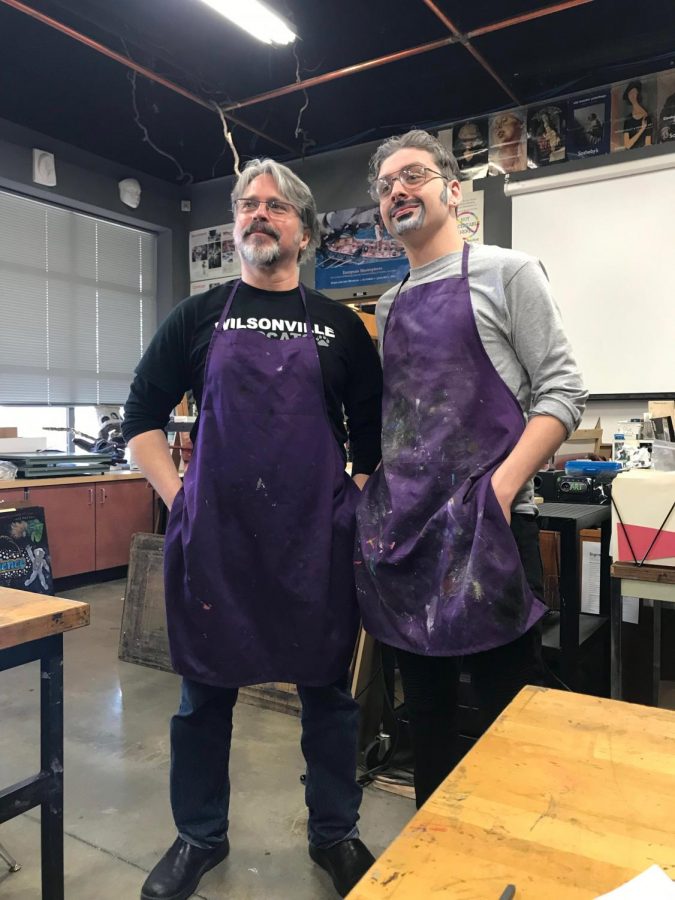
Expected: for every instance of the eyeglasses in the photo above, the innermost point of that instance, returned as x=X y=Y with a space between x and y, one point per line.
x=277 y=209
x=410 y=177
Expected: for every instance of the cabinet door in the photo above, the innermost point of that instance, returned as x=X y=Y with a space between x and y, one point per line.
x=69 y=516
x=9 y=497
x=122 y=509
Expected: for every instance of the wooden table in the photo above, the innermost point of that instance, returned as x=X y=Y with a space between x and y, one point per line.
x=31 y=628
x=647 y=582
x=566 y=796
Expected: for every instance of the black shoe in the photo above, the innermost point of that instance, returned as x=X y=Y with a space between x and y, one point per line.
x=179 y=871
x=346 y=863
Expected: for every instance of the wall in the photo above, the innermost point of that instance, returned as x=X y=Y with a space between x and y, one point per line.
x=88 y=183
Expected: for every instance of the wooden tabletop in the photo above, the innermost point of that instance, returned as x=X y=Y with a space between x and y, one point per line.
x=648 y=572
x=62 y=480
x=566 y=796
x=25 y=616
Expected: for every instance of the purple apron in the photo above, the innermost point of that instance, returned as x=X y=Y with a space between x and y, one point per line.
x=437 y=567
x=258 y=569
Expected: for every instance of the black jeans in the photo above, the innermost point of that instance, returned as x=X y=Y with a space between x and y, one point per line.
x=431 y=683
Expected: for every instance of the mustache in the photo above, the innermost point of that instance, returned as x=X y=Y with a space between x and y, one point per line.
x=401 y=203
x=260 y=227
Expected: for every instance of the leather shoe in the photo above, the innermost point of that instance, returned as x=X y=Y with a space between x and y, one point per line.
x=178 y=873
x=346 y=863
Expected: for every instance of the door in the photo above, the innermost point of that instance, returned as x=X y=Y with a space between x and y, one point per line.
x=9 y=497
x=69 y=516
x=122 y=509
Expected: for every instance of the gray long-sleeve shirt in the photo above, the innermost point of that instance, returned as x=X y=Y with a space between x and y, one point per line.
x=521 y=329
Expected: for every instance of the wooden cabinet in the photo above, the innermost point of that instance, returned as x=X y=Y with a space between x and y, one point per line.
x=89 y=525
x=10 y=497
x=70 y=516
x=122 y=509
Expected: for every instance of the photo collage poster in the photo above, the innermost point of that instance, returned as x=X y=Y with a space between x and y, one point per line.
x=212 y=254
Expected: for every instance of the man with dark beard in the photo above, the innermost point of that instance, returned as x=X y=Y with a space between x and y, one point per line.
x=480 y=389
x=259 y=546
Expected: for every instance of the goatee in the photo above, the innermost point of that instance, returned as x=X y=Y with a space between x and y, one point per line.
x=256 y=253
x=413 y=221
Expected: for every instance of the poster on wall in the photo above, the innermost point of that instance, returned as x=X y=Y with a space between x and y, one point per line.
x=356 y=250
x=212 y=254
x=633 y=114
x=546 y=135
x=198 y=287
x=25 y=563
x=468 y=142
x=508 y=142
x=470 y=217
x=665 y=100
x=588 y=125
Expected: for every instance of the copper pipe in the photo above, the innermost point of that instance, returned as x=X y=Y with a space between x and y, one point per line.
x=450 y=25
x=130 y=64
x=403 y=54
x=341 y=73
x=526 y=17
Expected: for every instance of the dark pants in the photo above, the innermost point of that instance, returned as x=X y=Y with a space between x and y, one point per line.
x=431 y=683
x=201 y=734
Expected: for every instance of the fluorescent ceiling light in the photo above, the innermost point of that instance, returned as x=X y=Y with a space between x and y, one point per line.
x=256 y=18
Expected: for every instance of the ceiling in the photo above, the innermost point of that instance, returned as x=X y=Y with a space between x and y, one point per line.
x=57 y=85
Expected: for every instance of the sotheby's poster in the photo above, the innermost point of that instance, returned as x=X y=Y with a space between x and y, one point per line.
x=589 y=122
x=356 y=250
x=212 y=254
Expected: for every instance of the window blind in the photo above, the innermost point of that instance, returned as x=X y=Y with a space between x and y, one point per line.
x=77 y=304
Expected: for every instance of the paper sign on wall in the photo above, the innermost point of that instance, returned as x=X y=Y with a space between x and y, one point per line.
x=212 y=254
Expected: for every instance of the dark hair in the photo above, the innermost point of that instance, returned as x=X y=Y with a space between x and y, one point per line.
x=633 y=84
x=421 y=140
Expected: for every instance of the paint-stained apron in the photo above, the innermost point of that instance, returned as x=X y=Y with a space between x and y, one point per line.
x=259 y=574
x=437 y=567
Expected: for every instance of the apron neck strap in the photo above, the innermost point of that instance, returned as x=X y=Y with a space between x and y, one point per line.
x=228 y=303
x=465 y=260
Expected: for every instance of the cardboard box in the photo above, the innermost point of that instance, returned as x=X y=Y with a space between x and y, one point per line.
x=22 y=445
x=659 y=408
x=642 y=498
x=582 y=441
x=9 y=432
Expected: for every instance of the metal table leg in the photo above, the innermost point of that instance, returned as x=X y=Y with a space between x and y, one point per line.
x=51 y=756
x=46 y=788
x=656 y=655
x=615 y=616
x=13 y=865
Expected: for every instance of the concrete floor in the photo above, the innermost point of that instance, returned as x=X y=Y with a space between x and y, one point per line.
x=117 y=817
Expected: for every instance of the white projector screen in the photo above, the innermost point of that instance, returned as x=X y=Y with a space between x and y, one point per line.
x=609 y=250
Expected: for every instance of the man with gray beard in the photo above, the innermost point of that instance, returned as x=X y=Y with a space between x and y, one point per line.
x=259 y=577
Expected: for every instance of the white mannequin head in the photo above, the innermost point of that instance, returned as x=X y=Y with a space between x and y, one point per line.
x=130 y=192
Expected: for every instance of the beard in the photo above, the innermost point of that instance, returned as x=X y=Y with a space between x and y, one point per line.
x=255 y=252
x=413 y=221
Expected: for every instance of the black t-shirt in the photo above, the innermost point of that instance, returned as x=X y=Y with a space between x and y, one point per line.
x=176 y=358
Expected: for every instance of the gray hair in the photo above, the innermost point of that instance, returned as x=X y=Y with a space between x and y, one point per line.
x=422 y=140
x=291 y=188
